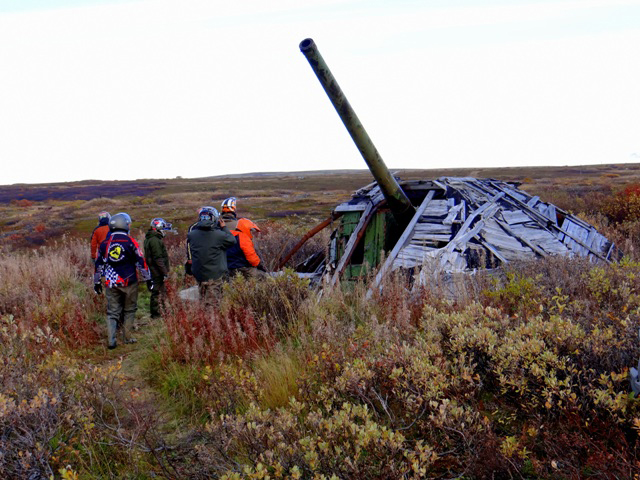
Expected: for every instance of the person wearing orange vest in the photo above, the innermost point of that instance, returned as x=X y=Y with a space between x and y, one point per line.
x=99 y=233
x=242 y=257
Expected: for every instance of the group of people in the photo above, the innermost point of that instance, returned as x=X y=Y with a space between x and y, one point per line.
x=218 y=247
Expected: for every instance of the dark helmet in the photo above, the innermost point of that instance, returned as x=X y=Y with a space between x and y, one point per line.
x=120 y=221
x=208 y=213
x=229 y=205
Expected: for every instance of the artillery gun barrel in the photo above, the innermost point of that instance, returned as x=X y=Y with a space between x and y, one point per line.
x=398 y=202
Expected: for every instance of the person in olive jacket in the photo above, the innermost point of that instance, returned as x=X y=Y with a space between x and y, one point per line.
x=207 y=243
x=155 y=253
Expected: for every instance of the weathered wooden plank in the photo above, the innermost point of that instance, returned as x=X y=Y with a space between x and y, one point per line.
x=533 y=201
x=554 y=248
x=601 y=244
x=463 y=237
x=412 y=256
x=376 y=199
x=479 y=211
x=408 y=231
x=522 y=238
x=511 y=256
x=575 y=236
x=458 y=241
x=344 y=207
x=551 y=214
x=460 y=263
x=591 y=236
x=432 y=228
x=366 y=188
x=486 y=190
x=610 y=250
x=514 y=197
x=533 y=234
x=502 y=243
x=374 y=191
x=454 y=211
x=437 y=209
x=411 y=251
x=493 y=249
x=513 y=217
x=519 y=195
x=434 y=237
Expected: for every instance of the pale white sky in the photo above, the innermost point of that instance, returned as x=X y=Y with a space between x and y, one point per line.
x=128 y=89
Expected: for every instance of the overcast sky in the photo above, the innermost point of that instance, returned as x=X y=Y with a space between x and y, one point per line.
x=128 y=89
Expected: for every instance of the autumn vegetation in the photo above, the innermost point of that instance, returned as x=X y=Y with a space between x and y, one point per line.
x=522 y=374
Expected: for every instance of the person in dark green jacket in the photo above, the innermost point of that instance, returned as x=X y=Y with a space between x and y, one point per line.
x=155 y=253
x=207 y=243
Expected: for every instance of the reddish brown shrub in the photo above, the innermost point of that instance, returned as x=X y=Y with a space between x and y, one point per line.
x=624 y=206
x=23 y=202
x=198 y=334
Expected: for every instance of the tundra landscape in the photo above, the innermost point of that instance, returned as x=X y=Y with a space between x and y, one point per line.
x=524 y=374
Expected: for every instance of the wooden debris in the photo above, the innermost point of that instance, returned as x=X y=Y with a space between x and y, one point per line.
x=463 y=224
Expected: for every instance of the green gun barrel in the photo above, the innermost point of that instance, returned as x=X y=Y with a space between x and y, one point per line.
x=397 y=200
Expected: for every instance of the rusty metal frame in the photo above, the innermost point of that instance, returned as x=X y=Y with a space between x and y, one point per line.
x=311 y=233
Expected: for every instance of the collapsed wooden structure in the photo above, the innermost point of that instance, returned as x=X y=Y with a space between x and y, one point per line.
x=461 y=224
x=452 y=224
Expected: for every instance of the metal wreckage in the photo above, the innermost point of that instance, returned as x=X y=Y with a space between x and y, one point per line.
x=444 y=226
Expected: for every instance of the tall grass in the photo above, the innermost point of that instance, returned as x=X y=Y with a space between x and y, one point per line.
x=51 y=287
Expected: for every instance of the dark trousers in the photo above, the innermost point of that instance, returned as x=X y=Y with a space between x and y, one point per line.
x=158 y=297
x=122 y=303
x=211 y=291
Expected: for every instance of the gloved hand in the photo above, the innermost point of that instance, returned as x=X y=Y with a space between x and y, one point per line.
x=97 y=287
x=187 y=268
x=150 y=285
x=261 y=267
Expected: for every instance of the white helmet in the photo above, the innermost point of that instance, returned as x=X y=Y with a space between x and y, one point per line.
x=228 y=205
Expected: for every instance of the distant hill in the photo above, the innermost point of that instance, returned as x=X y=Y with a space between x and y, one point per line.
x=613 y=174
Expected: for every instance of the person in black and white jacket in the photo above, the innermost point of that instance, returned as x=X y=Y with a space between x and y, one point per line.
x=119 y=259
